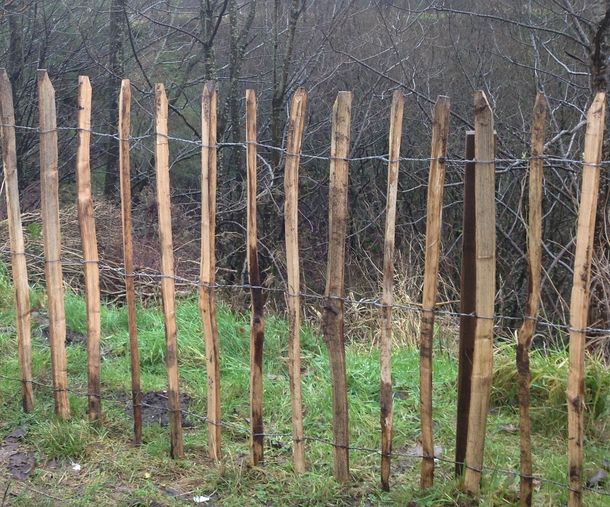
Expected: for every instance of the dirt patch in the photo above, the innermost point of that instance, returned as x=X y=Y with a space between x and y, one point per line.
x=155 y=411
x=14 y=457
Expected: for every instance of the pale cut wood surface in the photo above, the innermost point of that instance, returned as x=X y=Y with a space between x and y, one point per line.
x=485 y=249
x=581 y=291
x=49 y=193
x=88 y=236
x=333 y=311
x=15 y=230
x=387 y=298
x=526 y=331
x=207 y=305
x=127 y=228
x=436 y=187
x=296 y=122
x=168 y=288
x=126 y=223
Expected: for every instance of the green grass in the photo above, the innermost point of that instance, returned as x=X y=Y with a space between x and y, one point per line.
x=115 y=473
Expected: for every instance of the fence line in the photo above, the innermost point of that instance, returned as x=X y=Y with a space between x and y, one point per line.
x=333 y=301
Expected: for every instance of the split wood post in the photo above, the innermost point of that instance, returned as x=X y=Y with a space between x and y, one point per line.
x=15 y=230
x=86 y=222
x=387 y=298
x=485 y=248
x=333 y=311
x=436 y=187
x=526 y=331
x=257 y=329
x=467 y=308
x=168 y=288
x=581 y=287
x=49 y=193
x=207 y=305
x=130 y=291
x=298 y=109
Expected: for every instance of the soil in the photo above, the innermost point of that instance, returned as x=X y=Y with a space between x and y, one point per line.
x=14 y=457
x=154 y=408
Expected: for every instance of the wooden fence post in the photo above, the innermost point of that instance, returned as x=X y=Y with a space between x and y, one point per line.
x=207 y=305
x=467 y=307
x=89 y=246
x=485 y=248
x=15 y=230
x=49 y=193
x=436 y=187
x=332 y=323
x=168 y=288
x=130 y=291
x=296 y=123
x=579 y=302
x=257 y=329
x=526 y=331
x=387 y=298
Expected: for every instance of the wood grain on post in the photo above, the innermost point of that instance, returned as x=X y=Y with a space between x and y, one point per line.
x=436 y=186
x=526 y=331
x=467 y=307
x=333 y=311
x=257 y=329
x=207 y=305
x=130 y=291
x=49 y=193
x=168 y=288
x=581 y=287
x=86 y=222
x=485 y=248
x=387 y=298
x=15 y=230
x=296 y=122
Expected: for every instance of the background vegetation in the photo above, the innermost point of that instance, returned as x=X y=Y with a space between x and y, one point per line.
x=423 y=47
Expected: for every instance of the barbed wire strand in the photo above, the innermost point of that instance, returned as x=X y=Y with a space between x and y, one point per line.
x=309 y=156
x=154 y=275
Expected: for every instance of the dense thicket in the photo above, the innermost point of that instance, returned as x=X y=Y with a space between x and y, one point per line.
x=372 y=47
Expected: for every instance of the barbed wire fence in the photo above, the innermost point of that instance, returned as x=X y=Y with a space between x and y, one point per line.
x=504 y=166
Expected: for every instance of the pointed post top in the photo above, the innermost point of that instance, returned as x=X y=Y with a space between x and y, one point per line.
x=300 y=94
x=84 y=81
x=480 y=101
x=442 y=106
x=209 y=89
x=42 y=76
x=598 y=106
x=344 y=98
